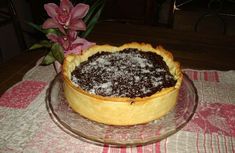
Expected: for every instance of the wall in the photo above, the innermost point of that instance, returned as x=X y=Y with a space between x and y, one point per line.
x=9 y=45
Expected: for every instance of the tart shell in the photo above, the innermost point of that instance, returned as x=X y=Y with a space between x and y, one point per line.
x=118 y=110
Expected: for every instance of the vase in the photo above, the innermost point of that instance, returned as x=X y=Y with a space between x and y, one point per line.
x=57 y=67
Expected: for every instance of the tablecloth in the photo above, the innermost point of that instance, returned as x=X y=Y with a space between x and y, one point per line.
x=25 y=124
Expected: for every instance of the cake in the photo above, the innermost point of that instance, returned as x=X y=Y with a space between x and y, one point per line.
x=126 y=85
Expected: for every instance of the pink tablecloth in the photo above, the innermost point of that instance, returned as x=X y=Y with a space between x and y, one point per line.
x=25 y=125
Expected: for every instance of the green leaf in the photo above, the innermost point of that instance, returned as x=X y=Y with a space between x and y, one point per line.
x=45 y=31
x=55 y=31
x=92 y=22
x=42 y=44
x=46 y=43
x=49 y=59
x=35 y=26
x=57 y=52
x=92 y=10
x=36 y=46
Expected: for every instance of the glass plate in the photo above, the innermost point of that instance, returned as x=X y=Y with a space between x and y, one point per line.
x=93 y=132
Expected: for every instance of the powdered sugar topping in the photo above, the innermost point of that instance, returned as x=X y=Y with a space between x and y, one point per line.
x=124 y=74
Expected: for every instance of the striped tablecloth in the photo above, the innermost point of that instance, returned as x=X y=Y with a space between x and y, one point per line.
x=25 y=125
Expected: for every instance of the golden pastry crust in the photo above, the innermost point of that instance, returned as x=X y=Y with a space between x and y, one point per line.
x=119 y=110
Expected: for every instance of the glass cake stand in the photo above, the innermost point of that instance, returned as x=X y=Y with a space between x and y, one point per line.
x=97 y=133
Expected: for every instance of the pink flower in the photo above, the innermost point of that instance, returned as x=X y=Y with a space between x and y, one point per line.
x=65 y=16
x=71 y=43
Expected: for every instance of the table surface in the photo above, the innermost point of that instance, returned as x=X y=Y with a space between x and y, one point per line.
x=25 y=124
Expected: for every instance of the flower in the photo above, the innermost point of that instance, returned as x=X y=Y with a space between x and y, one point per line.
x=68 y=20
x=65 y=29
x=71 y=43
x=65 y=16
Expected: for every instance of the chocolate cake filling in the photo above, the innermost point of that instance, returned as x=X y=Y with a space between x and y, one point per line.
x=127 y=73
